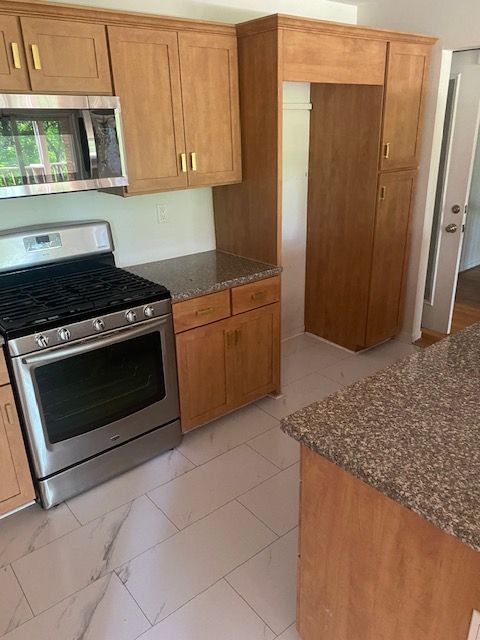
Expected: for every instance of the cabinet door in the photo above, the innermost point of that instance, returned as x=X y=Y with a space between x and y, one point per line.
x=204 y=373
x=67 y=57
x=16 y=487
x=257 y=353
x=13 y=68
x=389 y=255
x=405 y=85
x=146 y=76
x=209 y=71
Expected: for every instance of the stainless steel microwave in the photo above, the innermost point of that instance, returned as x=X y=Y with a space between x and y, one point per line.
x=54 y=144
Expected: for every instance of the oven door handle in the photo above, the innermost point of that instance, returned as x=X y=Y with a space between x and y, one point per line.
x=90 y=344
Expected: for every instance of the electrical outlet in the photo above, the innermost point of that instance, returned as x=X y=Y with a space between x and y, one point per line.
x=162 y=216
x=474 y=633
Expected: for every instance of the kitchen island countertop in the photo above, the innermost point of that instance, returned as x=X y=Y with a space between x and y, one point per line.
x=412 y=432
x=201 y=273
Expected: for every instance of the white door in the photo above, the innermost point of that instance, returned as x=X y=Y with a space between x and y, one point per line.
x=458 y=154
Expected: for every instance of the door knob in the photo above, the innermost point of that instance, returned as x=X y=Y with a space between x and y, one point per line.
x=456 y=208
x=451 y=228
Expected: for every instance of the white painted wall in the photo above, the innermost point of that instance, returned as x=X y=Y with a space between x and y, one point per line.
x=456 y=24
x=138 y=236
x=190 y=228
x=471 y=242
x=296 y=139
x=231 y=10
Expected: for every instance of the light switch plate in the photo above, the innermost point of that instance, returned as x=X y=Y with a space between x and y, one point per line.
x=474 y=633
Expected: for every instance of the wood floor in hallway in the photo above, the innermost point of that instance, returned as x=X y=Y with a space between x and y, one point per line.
x=467 y=307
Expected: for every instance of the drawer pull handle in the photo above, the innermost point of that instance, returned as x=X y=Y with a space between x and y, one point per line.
x=386 y=151
x=183 y=160
x=258 y=295
x=10 y=414
x=193 y=156
x=37 y=62
x=204 y=312
x=16 y=56
x=383 y=193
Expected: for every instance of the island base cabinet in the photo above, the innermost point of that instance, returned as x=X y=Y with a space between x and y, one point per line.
x=16 y=487
x=226 y=364
x=371 y=569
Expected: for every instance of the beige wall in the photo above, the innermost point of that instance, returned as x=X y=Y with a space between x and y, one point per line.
x=456 y=25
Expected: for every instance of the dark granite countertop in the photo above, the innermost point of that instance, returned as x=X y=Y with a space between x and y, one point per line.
x=201 y=273
x=411 y=431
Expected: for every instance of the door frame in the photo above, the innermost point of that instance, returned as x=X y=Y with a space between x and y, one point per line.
x=436 y=108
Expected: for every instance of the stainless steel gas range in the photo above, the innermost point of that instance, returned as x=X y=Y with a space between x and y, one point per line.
x=91 y=351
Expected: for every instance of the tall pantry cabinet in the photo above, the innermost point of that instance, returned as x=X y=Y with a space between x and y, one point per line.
x=367 y=91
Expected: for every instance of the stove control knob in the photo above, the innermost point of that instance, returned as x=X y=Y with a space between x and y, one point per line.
x=41 y=340
x=130 y=316
x=98 y=324
x=149 y=311
x=64 y=334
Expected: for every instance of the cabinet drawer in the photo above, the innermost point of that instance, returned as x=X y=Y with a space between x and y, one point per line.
x=4 y=377
x=254 y=295
x=200 y=311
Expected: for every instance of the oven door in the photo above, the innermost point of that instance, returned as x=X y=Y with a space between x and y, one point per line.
x=85 y=398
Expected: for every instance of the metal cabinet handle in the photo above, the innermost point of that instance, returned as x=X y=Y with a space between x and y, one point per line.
x=193 y=157
x=17 y=63
x=204 y=312
x=183 y=161
x=10 y=414
x=383 y=193
x=37 y=62
x=386 y=150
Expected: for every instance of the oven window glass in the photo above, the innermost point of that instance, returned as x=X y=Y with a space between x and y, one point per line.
x=46 y=148
x=90 y=390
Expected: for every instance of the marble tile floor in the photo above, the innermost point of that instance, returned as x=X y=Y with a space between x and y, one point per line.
x=197 y=544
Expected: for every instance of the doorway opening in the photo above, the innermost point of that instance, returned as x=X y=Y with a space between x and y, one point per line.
x=452 y=293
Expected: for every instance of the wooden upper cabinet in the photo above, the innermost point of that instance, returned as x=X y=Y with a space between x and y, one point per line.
x=67 y=57
x=390 y=247
x=13 y=67
x=146 y=77
x=317 y=57
x=405 y=85
x=209 y=73
x=16 y=487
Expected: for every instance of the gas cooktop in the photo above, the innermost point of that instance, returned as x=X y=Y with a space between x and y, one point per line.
x=41 y=298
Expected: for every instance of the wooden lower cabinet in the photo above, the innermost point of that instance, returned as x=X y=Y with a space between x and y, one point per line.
x=256 y=353
x=204 y=361
x=389 y=257
x=227 y=364
x=371 y=569
x=16 y=487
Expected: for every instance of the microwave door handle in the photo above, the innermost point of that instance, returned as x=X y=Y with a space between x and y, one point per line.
x=91 y=142
x=90 y=344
